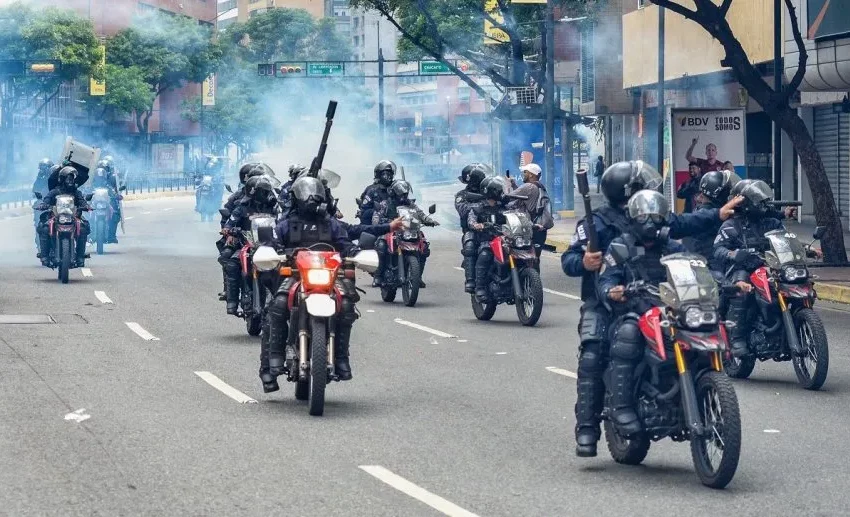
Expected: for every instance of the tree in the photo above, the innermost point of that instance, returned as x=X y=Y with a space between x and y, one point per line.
x=51 y=34
x=168 y=50
x=276 y=34
x=776 y=104
x=234 y=118
x=441 y=29
x=127 y=93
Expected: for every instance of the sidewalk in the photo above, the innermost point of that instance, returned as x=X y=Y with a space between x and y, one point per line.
x=832 y=283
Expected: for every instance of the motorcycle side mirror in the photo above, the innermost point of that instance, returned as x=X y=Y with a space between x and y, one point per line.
x=819 y=231
x=89 y=196
x=37 y=195
x=226 y=186
x=367 y=241
x=122 y=188
x=432 y=209
x=620 y=252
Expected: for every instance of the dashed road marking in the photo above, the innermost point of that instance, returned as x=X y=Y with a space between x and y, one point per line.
x=563 y=295
x=142 y=333
x=167 y=209
x=771 y=431
x=77 y=416
x=415 y=491
x=145 y=213
x=100 y=295
x=423 y=328
x=459 y=268
x=561 y=371
x=86 y=272
x=501 y=353
x=128 y=218
x=225 y=388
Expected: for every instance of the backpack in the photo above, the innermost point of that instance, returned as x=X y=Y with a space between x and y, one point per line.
x=543 y=211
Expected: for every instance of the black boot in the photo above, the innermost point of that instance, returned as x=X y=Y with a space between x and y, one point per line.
x=624 y=415
x=481 y=277
x=268 y=380
x=81 y=256
x=469 y=274
x=588 y=407
x=737 y=314
x=341 y=364
x=232 y=296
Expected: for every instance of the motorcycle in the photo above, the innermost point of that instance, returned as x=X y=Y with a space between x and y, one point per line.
x=64 y=228
x=785 y=326
x=103 y=214
x=681 y=391
x=405 y=248
x=314 y=303
x=254 y=291
x=513 y=278
x=207 y=203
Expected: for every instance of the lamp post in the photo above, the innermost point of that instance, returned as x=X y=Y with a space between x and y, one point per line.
x=661 y=111
x=777 y=86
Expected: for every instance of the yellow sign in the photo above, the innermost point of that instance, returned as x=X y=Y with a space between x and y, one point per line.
x=528 y=2
x=98 y=88
x=493 y=35
x=208 y=91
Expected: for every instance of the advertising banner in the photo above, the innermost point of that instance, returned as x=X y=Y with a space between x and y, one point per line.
x=707 y=139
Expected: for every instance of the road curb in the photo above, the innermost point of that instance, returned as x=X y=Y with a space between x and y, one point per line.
x=833 y=292
x=559 y=243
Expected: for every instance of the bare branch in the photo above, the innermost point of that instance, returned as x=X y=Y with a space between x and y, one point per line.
x=678 y=9
x=792 y=87
x=724 y=7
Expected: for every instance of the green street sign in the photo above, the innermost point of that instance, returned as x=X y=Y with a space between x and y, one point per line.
x=433 y=68
x=325 y=69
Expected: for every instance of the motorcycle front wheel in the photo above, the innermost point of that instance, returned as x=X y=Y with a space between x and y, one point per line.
x=483 y=311
x=65 y=259
x=716 y=454
x=318 y=365
x=812 y=367
x=410 y=289
x=101 y=235
x=628 y=451
x=529 y=303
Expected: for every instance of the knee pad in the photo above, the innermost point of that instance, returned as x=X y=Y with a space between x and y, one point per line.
x=628 y=342
x=426 y=251
x=279 y=307
x=233 y=268
x=381 y=247
x=593 y=325
x=349 y=313
x=225 y=256
x=469 y=249
x=591 y=360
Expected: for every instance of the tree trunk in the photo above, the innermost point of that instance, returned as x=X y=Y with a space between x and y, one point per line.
x=826 y=212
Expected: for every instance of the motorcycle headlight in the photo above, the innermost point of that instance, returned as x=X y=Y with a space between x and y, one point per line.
x=65 y=219
x=319 y=277
x=521 y=242
x=794 y=273
x=696 y=317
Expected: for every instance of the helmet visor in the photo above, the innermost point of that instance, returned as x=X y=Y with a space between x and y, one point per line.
x=648 y=205
x=305 y=188
x=645 y=175
x=757 y=192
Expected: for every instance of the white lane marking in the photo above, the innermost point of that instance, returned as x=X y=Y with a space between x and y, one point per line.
x=423 y=328
x=86 y=272
x=167 y=209
x=415 y=491
x=501 y=353
x=561 y=371
x=771 y=431
x=225 y=388
x=564 y=295
x=459 y=268
x=370 y=310
x=142 y=333
x=144 y=213
x=462 y=340
x=102 y=297
x=78 y=415
x=128 y=218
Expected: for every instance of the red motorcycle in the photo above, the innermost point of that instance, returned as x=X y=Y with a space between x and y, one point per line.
x=405 y=247
x=681 y=392
x=785 y=326
x=254 y=292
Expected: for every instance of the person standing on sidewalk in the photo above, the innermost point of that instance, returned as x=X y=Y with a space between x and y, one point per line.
x=537 y=205
x=600 y=168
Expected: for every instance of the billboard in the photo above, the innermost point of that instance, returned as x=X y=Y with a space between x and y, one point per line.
x=208 y=91
x=708 y=138
x=827 y=18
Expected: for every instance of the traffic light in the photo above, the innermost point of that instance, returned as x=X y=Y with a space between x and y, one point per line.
x=42 y=68
x=289 y=69
x=265 y=69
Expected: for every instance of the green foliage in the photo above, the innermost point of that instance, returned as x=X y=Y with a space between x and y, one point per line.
x=126 y=91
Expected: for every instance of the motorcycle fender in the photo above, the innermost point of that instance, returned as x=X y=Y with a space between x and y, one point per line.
x=320 y=305
x=243 y=258
x=498 y=250
x=796 y=291
x=290 y=299
x=390 y=243
x=520 y=255
x=408 y=246
x=701 y=341
x=761 y=282
x=650 y=327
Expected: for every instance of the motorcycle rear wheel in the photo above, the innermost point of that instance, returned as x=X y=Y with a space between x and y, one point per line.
x=410 y=289
x=626 y=451
x=529 y=303
x=388 y=294
x=65 y=260
x=101 y=236
x=717 y=404
x=812 y=368
x=483 y=311
x=318 y=365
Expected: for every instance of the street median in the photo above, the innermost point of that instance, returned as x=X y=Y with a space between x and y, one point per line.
x=833 y=292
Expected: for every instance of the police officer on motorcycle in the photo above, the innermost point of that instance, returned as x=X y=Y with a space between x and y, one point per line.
x=648 y=217
x=491 y=210
x=472 y=175
x=295 y=170
x=618 y=183
x=307 y=224
x=378 y=191
x=66 y=185
x=45 y=167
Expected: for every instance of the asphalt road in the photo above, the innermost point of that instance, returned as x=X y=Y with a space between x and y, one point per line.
x=96 y=420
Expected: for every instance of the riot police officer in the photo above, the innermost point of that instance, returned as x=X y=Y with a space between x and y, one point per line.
x=66 y=185
x=378 y=191
x=472 y=175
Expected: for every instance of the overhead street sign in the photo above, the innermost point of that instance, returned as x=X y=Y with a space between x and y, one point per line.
x=433 y=68
x=325 y=69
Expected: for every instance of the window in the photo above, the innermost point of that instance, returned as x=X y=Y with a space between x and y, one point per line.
x=641 y=4
x=588 y=64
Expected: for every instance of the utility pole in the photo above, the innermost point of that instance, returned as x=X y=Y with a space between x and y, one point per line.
x=549 y=96
x=567 y=145
x=662 y=112
x=777 y=86
x=381 y=122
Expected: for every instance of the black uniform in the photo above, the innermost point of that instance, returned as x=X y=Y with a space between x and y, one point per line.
x=372 y=197
x=484 y=213
x=386 y=212
x=48 y=202
x=465 y=201
x=229 y=258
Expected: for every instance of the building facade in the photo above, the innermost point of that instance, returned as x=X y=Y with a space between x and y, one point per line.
x=251 y=8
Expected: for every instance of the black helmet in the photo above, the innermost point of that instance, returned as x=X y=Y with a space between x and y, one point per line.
x=648 y=211
x=44 y=165
x=260 y=189
x=244 y=170
x=308 y=196
x=494 y=188
x=68 y=178
x=295 y=170
x=739 y=187
x=473 y=174
x=757 y=194
x=385 y=172
x=716 y=185
x=400 y=190
x=621 y=180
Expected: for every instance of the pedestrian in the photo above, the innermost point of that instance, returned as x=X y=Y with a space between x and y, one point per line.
x=600 y=168
x=689 y=190
x=537 y=205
